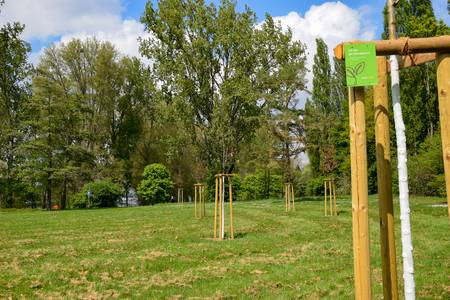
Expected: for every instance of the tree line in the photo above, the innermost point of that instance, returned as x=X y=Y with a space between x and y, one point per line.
x=219 y=93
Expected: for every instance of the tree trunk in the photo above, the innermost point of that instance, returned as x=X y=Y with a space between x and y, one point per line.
x=64 y=195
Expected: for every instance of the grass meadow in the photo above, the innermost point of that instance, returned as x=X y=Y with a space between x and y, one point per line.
x=162 y=252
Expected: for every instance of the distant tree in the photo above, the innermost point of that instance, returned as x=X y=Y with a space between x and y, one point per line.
x=282 y=77
x=156 y=184
x=86 y=116
x=14 y=94
x=321 y=114
x=210 y=62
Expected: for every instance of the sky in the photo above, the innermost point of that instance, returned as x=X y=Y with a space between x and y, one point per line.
x=117 y=21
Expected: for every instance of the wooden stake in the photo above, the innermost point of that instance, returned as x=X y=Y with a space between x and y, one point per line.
x=215 y=207
x=195 y=200
x=386 y=209
x=231 y=207
x=334 y=196
x=220 y=207
x=293 y=197
x=325 y=193
x=360 y=216
x=443 y=81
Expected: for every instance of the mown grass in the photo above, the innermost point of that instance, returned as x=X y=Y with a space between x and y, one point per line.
x=162 y=252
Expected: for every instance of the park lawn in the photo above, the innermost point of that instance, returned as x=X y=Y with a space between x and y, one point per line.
x=162 y=252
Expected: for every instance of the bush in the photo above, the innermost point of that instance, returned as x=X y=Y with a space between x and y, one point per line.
x=104 y=194
x=156 y=184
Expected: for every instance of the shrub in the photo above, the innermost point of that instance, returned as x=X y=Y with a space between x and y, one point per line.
x=104 y=194
x=156 y=184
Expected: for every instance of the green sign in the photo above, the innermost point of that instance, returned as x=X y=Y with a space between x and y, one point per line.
x=361 y=64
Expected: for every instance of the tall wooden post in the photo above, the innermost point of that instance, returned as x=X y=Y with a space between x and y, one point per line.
x=216 y=203
x=386 y=209
x=360 y=213
x=443 y=81
x=325 y=197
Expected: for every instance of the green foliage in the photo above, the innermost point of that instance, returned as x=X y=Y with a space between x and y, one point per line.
x=315 y=186
x=426 y=169
x=14 y=94
x=156 y=184
x=104 y=194
x=218 y=66
x=326 y=121
x=261 y=186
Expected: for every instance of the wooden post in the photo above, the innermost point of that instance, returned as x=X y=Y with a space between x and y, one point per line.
x=360 y=215
x=220 y=206
x=386 y=209
x=325 y=193
x=195 y=200
x=230 y=190
x=293 y=197
x=334 y=196
x=443 y=81
x=203 y=201
x=215 y=207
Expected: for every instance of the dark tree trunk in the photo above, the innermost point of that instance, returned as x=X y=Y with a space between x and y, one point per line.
x=64 y=195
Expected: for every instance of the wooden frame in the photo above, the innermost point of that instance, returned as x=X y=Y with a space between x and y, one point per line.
x=413 y=52
x=330 y=195
x=199 y=200
x=289 y=197
x=219 y=206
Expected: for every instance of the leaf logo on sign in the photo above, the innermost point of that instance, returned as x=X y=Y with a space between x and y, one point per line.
x=355 y=71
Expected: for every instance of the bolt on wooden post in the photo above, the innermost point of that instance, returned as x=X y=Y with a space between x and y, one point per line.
x=222 y=180
x=199 y=200
x=330 y=195
x=289 y=197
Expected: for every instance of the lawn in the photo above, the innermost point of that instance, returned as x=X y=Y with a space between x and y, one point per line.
x=162 y=252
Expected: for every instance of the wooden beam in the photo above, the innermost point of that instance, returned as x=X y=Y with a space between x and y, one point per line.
x=443 y=82
x=360 y=213
x=403 y=46
x=386 y=209
x=413 y=60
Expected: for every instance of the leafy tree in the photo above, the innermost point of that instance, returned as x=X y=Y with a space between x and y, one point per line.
x=156 y=184
x=415 y=18
x=282 y=77
x=14 y=94
x=212 y=63
x=321 y=114
x=86 y=116
x=101 y=193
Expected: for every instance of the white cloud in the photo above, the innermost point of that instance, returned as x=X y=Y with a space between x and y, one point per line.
x=68 y=19
x=334 y=22
x=124 y=38
x=45 y=18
